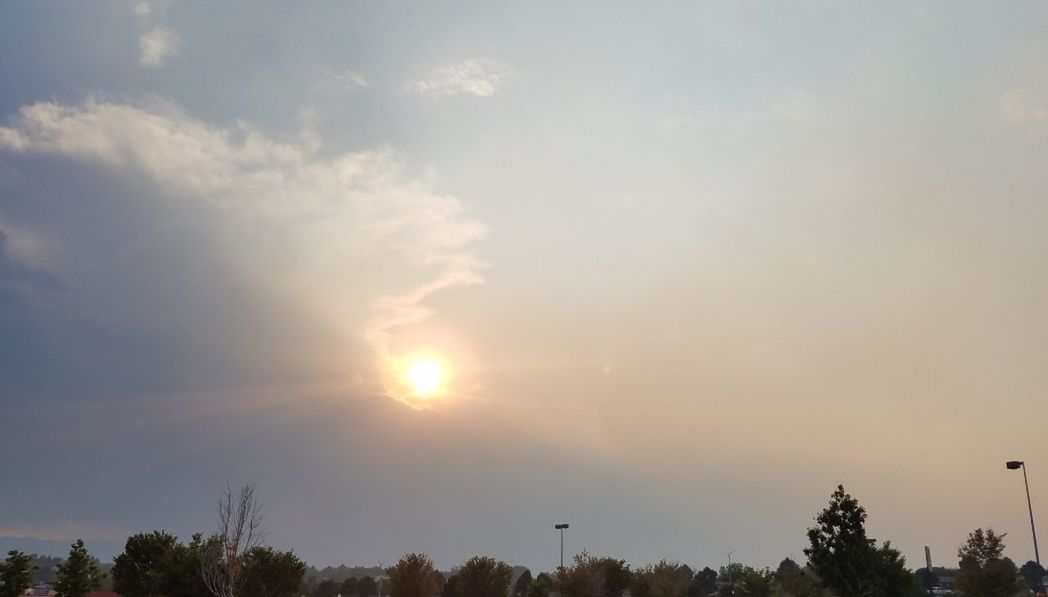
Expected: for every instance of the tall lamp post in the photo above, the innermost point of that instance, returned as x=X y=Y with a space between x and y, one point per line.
x=1012 y=465
x=561 y=527
x=731 y=581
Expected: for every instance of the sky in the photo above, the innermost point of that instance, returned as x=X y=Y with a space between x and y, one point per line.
x=683 y=267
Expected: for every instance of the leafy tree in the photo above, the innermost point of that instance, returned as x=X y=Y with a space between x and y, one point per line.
x=744 y=581
x=1033 y=575
x=482 y=576
x=366 y=587
x=704 y=583
x=79 y=575
x=793 y=581
x=414 y=576
x=847 y=561
x=541 y=586
x=984 y=571
x=661 y=580
x=141 y=570
x=16 y=574
x=349 y=587
x=326 y=588
x=183 y=567
x=273 y=573
x=520 y=588
x=590 y=576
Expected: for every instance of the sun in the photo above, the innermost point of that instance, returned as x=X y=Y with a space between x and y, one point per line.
x=425 y=377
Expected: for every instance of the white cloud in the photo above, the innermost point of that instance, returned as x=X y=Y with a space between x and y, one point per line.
x=157 y=46
x=143 y=9
x=309 y=225
x=1019 y=107
x=348 y=79
x=477 y=77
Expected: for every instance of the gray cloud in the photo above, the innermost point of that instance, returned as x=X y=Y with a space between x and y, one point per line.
x=294 y=226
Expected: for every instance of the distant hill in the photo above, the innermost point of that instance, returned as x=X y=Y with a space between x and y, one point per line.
x=102 y=549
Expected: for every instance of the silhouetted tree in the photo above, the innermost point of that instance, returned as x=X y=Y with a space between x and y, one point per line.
x=984 y=571
x=239 y=531
x=349 y=587
x=793 y=581
x=366 y=587
x=847 y=561
x=482 y=576
x=273 y=573
x=79 y=575
x=744 y=581
x=661 y=580
x=704 y=583
x=16 y=574
x=141 y=570
x=326 y=588
x=590 y=576
x=414 y=576
x=1033 y=575
x=183 y=566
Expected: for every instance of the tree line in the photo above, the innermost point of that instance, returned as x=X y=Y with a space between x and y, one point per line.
x=842 y=561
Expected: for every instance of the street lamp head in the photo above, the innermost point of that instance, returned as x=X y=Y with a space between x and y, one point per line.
x=1014 y=464
x=561 y=526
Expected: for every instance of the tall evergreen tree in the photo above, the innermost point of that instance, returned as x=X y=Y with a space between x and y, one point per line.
x=16 y=574
x=79 y=575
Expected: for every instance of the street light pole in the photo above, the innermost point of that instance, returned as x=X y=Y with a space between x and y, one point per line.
x=1012 y=465
x=731 y=583
x=561 y=527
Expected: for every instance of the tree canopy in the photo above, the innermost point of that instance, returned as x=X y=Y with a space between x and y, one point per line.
x=79 y=575
x=414 y=576
x=16 y=574
x=847 y=561
x=590 y=576
x=983 y=569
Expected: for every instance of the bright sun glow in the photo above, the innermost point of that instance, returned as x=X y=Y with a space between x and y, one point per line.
x=425 y=377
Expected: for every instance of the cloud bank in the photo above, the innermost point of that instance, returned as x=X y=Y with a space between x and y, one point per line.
x=352 y=242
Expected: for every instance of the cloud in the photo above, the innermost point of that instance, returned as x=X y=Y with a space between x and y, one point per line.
x=348 y=79
x=143 y=9
x=476 y=77
x=156 y=46
x=1017 y=106
x=303 y=229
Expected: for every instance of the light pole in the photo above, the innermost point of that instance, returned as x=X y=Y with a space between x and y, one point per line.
x=731 y=583
x=1012 y=465
x=560 y=527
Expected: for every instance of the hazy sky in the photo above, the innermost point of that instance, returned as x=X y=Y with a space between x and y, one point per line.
x=687 y=266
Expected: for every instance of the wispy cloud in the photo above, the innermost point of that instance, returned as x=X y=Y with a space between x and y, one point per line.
x=308 y=223
x=1019 y=107
x=477 y=76
x=348 y=79
x=156 y=46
